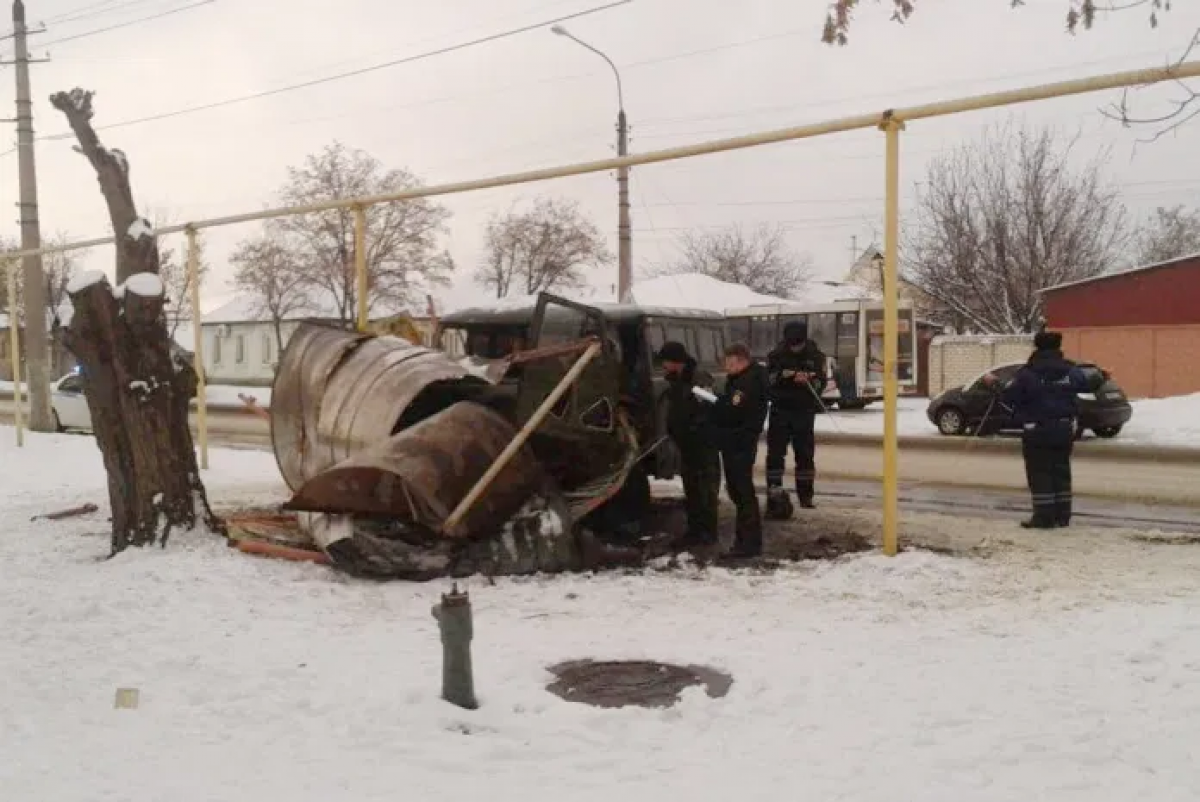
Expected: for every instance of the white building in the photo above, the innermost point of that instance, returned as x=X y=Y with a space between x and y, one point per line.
x=240 y=344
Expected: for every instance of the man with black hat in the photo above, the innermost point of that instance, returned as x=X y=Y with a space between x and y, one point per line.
x=796 y=372
x=687 y=424
x=1043 y=396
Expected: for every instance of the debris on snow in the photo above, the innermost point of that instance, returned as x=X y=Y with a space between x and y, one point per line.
x=84 y=280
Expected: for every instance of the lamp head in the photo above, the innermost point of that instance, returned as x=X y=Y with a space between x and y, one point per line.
x=559 y=30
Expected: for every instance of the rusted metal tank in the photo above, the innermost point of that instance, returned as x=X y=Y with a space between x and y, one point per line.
x=339 y=392
x=420 y=474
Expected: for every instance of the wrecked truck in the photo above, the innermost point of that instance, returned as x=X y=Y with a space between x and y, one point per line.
x=407 y=462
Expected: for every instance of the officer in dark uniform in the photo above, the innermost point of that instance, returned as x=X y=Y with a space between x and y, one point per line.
x=738 y=421
x=797 y=374
x=1043 y=396
x=687 y=424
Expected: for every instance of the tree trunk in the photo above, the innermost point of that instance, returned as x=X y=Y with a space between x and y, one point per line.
x=137 y=382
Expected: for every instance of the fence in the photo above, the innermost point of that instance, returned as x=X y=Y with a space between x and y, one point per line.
x=956 y=359
x=891 y=122
x=1147 y=361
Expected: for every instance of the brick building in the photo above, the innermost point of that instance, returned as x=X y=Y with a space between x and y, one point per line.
x=1141 y=324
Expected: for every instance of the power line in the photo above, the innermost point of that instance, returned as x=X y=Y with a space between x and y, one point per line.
x=350 y=73
x=120 y=25
x=68 y=14
x=85 y=13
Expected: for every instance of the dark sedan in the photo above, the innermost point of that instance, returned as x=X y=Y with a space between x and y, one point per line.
x=975 y=409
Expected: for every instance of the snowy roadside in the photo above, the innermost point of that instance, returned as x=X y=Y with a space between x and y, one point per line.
x=1025 y=666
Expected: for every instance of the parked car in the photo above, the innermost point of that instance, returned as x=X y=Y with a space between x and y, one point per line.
x=70 y=406
x=974 y=409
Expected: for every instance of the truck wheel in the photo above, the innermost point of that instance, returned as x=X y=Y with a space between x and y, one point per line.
x=1107 y=432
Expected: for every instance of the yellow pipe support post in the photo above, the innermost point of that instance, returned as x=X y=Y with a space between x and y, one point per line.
x=14 y=343
x=193 y=270
x=891 y=335
x=360 y=264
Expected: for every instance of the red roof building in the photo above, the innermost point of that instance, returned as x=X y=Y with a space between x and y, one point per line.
x=1141 y=324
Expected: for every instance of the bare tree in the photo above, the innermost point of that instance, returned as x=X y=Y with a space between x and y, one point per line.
x=58 y=266
x=266 y=270
x=547 y=247
x=1079 y=14
x=1169 y=234
x=403 y=259
x=1000 y=219
x=138 y=383
x=760 y=259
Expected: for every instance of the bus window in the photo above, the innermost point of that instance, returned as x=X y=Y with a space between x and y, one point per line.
x=676 y=333
x=763 y=337
x=718 y=338
x=454 y=343
x=822 y=329
x=479 y=343
x=847 y=335
x=739 y=329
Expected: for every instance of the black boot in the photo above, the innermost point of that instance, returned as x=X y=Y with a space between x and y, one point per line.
x=779 y=504
x=1034 y=523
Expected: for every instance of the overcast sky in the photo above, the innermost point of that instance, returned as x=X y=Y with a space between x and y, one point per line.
x=692 y=70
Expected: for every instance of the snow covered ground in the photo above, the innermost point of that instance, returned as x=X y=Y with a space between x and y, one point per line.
x=1060 y=668
x=219 y=395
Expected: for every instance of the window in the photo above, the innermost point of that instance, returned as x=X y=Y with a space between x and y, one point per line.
x=216 y=349
x=822 y=329
x=847 y=335
x=676 y=333
x=654 y=341
x=762 y=336
x=239 y=349
x=71 y=384
x=739 y=329
x=706 y=350
x=266 y=349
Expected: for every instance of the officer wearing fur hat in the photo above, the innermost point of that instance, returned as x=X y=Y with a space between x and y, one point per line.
x=1043 y=396
x=689 y=427
x=797 y=374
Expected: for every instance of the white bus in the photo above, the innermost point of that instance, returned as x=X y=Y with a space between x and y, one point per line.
x=851 y=335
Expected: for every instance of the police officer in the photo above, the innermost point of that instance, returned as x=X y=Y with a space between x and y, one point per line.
x=1043 y=398
x=738 y=421
x=687 y=425
x=797 y=374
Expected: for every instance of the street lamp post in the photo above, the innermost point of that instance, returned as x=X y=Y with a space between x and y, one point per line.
x=624 y=229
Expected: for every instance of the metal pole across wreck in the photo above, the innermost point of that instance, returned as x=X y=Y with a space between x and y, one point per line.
x=512 y=448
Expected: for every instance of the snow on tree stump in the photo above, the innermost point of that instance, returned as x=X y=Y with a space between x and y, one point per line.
x=640 y=683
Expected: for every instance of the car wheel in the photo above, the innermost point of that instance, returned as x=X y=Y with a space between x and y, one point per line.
x=950 y=421
x=1107 y=432
x=1077 y=430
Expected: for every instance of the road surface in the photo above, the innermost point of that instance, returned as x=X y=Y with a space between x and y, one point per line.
x=967 y=477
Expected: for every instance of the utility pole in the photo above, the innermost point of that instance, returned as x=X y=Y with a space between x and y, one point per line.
x=37 y=341
x=624 y=227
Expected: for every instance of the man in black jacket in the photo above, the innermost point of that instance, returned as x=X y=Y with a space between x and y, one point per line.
x=687 y=424
x=796 y=372
x=1044 y=396
x=738 y=420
